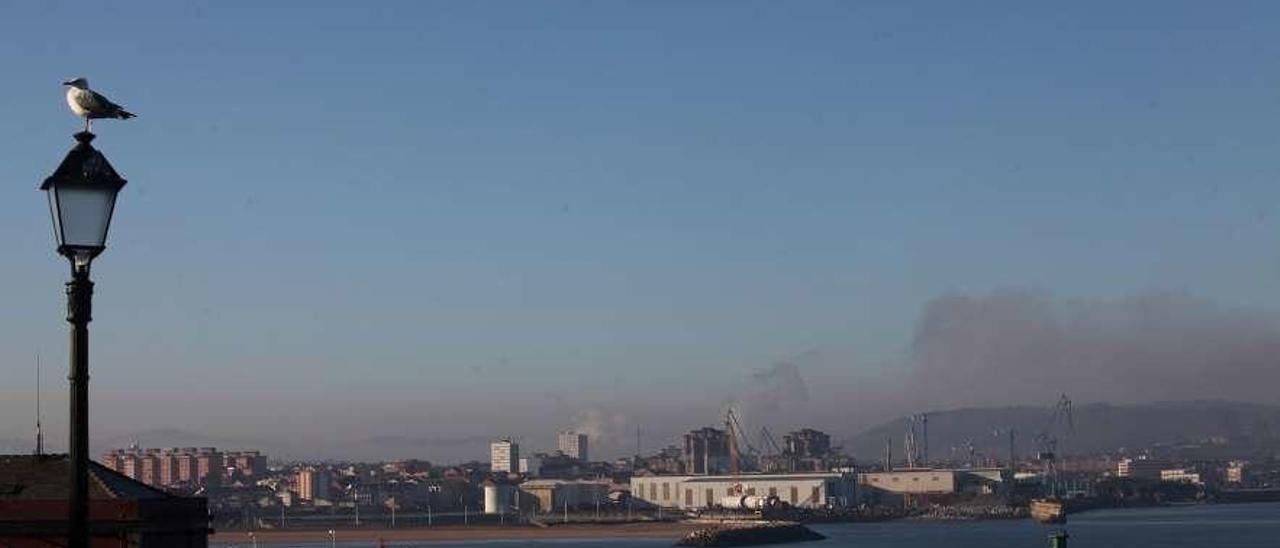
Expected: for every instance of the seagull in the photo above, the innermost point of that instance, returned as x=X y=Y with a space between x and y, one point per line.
x=89 y=104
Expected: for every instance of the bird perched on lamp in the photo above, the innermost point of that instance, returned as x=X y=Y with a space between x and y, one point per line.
x=91 y=105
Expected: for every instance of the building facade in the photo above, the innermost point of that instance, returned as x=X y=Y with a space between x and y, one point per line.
x=170 y=467
x=1237 y=472
x=186 y=463
x=149 y=467
x=1182 y=475
x=250 y=464
x=911 y=482
x=549 y=496
x=504 y=456
x=312 y=483
x=573 y=444
x=531 y=466
x=805 y=450
x=209 y=466
x=669 y=461
x=807 y=444
x=1140 y=468
x=706 y=451
x=928 y=482
x=814 y=490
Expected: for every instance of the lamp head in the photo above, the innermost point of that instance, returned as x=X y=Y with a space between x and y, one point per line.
x=82 y=197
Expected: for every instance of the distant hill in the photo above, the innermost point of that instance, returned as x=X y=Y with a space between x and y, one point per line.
x=1099 y=427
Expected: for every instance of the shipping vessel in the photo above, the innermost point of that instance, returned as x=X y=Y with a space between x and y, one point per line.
x=1050 y=510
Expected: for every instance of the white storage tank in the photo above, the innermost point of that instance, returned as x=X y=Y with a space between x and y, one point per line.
x=495 y=498
x=744 y=502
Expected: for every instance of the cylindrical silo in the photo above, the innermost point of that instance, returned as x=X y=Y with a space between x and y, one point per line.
x=494 y=500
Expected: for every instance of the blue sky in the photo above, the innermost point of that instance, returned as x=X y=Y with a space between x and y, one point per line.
x=347 y=218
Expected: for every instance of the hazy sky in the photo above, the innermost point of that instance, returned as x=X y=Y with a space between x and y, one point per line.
x=470 y=219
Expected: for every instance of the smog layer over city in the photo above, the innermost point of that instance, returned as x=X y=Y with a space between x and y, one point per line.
x=636 y=261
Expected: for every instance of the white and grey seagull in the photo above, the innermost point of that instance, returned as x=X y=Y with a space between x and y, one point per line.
x=91 y=105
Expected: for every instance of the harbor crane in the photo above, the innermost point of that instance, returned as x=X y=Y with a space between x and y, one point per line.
x=1060 y=426
x=735 y=432
x=774 y=458
x=916 y=441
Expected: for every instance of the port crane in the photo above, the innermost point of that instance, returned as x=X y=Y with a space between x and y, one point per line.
x=769 y=442
x=909 y=449
x=1060 y=426
x=774 y=458
x=968 y=449
x=734 y=430
x=917 y=448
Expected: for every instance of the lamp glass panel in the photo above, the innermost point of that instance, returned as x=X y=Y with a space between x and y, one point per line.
x=83 y=215
x=53 y=212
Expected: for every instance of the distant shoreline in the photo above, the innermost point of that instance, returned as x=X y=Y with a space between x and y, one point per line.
x=671 y=530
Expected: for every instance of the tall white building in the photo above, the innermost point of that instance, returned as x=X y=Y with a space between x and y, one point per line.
x=504 y=456
x=573 y=444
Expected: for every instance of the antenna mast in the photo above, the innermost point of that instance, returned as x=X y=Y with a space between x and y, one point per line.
x=39 y=429
x=924 y=426
x=1013 y=459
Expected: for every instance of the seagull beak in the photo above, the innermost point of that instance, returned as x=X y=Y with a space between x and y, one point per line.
x=67 y=83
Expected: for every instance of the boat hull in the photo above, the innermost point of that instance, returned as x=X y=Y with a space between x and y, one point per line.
x=1048 y=511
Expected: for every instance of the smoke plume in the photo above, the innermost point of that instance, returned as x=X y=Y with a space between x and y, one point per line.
x=774 y=396
x=604 y=429
x=1019 y=347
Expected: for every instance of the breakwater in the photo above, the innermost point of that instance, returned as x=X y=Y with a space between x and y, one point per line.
x=970 y=513
x=749 y=534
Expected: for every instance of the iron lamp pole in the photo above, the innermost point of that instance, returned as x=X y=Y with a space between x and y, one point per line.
x=82 y=196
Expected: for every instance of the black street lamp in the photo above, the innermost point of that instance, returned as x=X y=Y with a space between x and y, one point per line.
x=82 y=195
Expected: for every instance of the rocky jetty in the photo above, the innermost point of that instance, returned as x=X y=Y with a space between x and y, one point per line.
x=970 y=512
x=740 y=534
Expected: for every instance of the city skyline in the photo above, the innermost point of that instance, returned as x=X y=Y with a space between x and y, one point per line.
x=447 y=223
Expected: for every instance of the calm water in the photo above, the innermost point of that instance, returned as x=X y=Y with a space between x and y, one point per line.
x=1220 y=526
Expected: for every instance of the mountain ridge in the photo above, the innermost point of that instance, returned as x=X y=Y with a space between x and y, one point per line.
x=1098 y=427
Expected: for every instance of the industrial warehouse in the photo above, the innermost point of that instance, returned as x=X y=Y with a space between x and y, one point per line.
x=801 y=490
x=896 y=486
x=804 y=472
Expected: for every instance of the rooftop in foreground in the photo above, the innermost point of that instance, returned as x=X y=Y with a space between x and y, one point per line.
x=34 y=490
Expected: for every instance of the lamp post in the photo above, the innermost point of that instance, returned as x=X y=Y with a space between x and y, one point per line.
x=82 y=195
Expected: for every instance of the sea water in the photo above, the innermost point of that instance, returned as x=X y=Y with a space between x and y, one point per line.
x=1194 y=526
